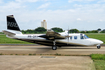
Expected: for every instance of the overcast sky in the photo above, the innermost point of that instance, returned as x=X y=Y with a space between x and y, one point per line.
x=79 y=14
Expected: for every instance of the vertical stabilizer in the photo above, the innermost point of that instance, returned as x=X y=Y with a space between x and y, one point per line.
x=12 y=24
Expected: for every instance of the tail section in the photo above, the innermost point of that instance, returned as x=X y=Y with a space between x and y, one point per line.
x=12 y=24
x=12 y=27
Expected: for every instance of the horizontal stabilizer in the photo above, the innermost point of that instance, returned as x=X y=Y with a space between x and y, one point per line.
x=8 y=33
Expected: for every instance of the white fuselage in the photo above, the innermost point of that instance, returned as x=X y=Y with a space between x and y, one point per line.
x=74 y=38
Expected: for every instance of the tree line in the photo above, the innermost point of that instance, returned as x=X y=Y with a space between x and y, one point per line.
x=40 y=30
x=57 y=29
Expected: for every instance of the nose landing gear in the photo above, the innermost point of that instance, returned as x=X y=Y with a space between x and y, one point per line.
x=98 y=46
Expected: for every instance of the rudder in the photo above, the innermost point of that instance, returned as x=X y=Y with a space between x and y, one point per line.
x=12 y=24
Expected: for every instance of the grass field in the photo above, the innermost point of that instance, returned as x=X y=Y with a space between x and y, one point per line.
x=99 y=61
x=100 y=36
x=5 y=40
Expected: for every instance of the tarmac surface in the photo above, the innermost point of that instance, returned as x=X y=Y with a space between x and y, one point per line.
x=18 y=57
x=39 y=49
x=17 y=62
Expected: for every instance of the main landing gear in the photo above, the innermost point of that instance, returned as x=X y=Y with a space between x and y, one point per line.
x=98 y=46
x=54 y=47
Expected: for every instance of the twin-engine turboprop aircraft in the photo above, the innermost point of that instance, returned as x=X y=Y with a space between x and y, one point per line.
x=51 y=38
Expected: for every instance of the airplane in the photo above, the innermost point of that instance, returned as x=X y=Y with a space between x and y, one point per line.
x=51 y=38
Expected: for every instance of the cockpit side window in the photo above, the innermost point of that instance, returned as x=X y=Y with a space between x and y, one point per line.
x=75 y=37
x=82 y=37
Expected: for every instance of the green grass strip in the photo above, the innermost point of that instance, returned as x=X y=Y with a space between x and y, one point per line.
x=5 y=40
x=99 y=64
x=100 y=36
x=98 y=56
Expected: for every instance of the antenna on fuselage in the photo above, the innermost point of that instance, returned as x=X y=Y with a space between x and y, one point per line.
x=68 y=30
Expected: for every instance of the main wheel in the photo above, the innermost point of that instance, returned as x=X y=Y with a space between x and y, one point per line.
x=98 y=47
x=54 y=47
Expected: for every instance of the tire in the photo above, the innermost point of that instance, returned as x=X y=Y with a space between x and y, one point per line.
x=98 y=47
x=54 y=47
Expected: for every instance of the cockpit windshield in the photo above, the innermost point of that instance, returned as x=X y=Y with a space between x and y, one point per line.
x=85 y=36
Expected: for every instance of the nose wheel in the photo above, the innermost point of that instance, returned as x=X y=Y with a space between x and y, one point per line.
x=98 y=46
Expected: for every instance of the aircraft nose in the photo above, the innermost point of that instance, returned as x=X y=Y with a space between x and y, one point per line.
x=95 y=41
x=99 y=41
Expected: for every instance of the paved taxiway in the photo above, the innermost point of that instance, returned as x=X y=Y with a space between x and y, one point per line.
x=18 y=62
x=39 y=49
x=47 y=62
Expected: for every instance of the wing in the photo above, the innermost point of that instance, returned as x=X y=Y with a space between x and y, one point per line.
x=51 y=35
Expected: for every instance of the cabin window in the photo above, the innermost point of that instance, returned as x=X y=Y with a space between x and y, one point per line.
x=75 y=37
x=71 y=37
